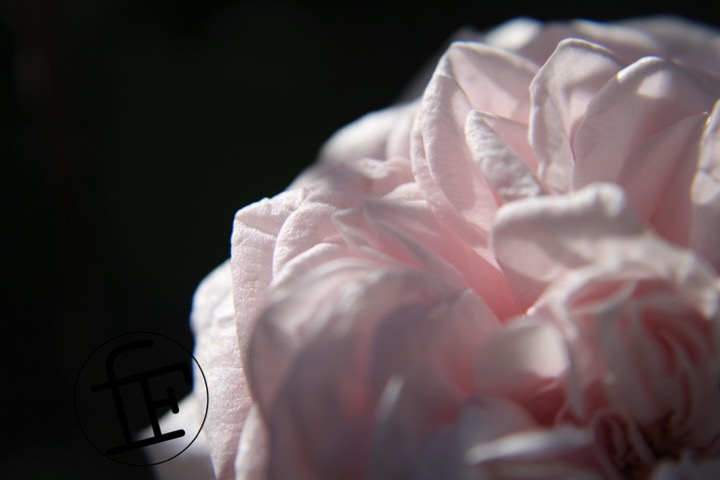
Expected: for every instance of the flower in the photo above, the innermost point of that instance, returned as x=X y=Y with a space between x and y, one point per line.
x=512 y=276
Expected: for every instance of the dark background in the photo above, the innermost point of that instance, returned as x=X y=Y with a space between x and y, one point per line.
x=130 y=133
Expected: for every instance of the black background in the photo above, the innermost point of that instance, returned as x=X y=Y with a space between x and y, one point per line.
x=130 y=133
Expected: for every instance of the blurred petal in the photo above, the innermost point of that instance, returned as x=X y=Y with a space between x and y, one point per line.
x=687 y=469
x=252 y=450
x=524 y=362
x=514 y=34
x=627 y=43
x=682 y=41
x=705 y=233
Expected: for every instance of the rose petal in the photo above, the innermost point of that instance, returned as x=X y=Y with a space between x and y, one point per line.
x=345 y=186
x=514 y=34
x=644 y=98
x=524 y=362
x=493 y=80
x=538 y=240
x=627 y=43
x=705 y=232
x=508 y=174
x=252 y=454
x=658 y=176
x=333 y=326
x=217 y=352
x=409 y=232
x=442 y=166
x=682 y=41
x=378 y=135
x=560 y=92
x=254 y=237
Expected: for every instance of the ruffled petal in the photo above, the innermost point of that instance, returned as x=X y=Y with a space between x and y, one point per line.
x=218 y=353
x=537 y=240
x=254 y=239
x=508 y=174
x=409 y=232
x=643 y=99
x=493 y=80
x=443 y=168
x=658 y=177
x=333 y=326
x=345 y=186
x=560 y=92
x=378 y=135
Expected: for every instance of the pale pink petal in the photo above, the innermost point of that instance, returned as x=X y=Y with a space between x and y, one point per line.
x=643 y=99
x=410 y=233
x=514 y=134
x=525 y=362
x=507 y=173
x=443 y=168
x=514 y=34
x=333 y=326
x=537 y=240
x=468 y=76
x=344 y=186
x=627 y=43
x=422 y=362
x=217 y=351
x=561 y=92
x=251 y=458
x=493 y=438
x=658 y=176
x=649 y=351
x=254 y=239
x=295 y=314
x=404 y=446
x=705 y=233
x=377 y=135
x=562 y=452
x=435 y=343
x=641 y=319
x=493 y=80
x=684 y=42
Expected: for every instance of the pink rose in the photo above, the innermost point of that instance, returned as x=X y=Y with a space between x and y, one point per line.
x=512 y=276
